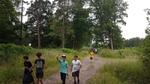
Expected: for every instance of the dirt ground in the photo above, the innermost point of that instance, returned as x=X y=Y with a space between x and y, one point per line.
x=88 y=69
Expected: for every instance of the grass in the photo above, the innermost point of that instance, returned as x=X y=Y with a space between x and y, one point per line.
x=127 y=70
x=10 y=73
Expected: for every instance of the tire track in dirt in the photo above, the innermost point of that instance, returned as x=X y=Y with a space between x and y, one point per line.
x=89 y=68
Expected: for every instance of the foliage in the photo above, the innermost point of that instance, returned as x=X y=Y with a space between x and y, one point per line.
x=107 y=15
x=147 y=31
x=133 y=42
x=120 y=72
x=8 y=21
x=145 y=48
x=9 y=51
x=68 y=24
x=44 y=14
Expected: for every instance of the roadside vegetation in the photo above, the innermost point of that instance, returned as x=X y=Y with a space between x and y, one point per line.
x=12 y=61
x=124 y=66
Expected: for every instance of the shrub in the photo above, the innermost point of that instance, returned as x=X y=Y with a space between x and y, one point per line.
x=9 y=51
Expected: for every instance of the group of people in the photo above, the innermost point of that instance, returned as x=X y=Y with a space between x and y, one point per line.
x=75 y=68
x=40 y=65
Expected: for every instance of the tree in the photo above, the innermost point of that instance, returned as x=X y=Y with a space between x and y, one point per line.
x=81 y=27
x=39 y=22
x=62 y=22
x=108 y=14
x=8 y=21
x=132 y=42
x=148 y=19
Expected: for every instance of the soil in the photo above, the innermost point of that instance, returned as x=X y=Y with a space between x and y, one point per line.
x=89 y=68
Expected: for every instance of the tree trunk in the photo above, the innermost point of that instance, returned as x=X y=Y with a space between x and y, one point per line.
x=38 y=23
x=21 y=22
x=111 y=42
x=63 y=28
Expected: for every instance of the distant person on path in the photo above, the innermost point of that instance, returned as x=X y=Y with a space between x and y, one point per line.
x=91 y=55
x=75 y=68
x=27 y=76
x=63 y=68
x=40 y=65
x=95 y=51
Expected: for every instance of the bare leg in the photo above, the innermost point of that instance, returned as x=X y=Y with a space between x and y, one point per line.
x=74 y=80
x=37 y=80
x=41 y=80
x=78 y=79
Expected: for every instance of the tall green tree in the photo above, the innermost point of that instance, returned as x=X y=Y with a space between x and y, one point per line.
x=8 y=21
x=63 y=20
x=39 y=22
x=81 y=24
x=108 y=14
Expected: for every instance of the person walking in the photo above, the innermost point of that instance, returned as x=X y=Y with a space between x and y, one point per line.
x=27 y=76
x=63 y=68
x=40 y=65
x=75 y=68
x=91 y=55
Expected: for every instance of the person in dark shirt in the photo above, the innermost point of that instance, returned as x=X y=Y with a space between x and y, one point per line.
x=27 y=76
x=40 y=65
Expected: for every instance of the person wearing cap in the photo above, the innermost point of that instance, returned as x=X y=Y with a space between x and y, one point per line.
x=63 y=68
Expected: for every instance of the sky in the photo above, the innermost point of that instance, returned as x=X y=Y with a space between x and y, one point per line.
x=136 y=20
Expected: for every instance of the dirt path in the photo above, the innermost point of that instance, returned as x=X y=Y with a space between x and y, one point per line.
x=87 y=71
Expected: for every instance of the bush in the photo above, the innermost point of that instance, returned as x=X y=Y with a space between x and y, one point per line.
x=9 y=51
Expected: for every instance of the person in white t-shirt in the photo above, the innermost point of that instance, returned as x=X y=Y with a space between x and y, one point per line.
x=75 y=68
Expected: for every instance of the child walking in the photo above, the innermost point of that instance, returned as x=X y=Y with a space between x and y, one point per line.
x=63 y=68
x=40 y=65
x=75 y=68
x=27 y=76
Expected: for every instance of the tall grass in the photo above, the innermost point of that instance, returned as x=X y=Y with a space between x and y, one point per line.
x=122 y=53
x=11 y=71
x=120 y=71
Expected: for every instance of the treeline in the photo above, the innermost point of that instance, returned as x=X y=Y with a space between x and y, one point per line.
x=133 y=42
x=63 y=23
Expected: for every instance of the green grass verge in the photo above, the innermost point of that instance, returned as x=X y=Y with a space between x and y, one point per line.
x=11 y=72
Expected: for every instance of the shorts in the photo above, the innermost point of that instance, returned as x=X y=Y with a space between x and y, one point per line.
x=91 y=57
x=39 y=74
x=75 y=74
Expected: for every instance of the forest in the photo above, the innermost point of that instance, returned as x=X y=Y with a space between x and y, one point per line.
x=63 y=23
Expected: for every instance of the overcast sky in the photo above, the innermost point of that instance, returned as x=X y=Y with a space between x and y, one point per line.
x=136 y=21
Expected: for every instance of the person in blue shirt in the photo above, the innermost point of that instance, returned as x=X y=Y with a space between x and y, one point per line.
x=63 y=68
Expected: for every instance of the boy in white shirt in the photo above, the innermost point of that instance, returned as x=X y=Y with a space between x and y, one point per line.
x=75 y=68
